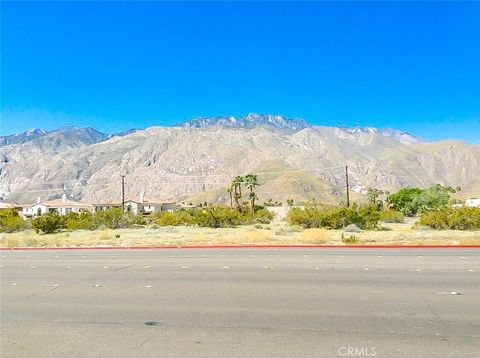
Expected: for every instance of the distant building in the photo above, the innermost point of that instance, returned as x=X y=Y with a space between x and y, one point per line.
x=60 y=206
x=146 y=206
x=474 y=202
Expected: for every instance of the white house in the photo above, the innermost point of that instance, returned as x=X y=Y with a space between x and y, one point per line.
x=60 y=206
x=145 y=206
x=474 y=202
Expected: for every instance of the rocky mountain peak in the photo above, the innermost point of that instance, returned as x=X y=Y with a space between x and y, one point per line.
x=250 y=120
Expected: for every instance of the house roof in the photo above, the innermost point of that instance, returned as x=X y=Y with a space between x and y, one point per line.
x=150 y=201
x=57 y=203
x=116 y=203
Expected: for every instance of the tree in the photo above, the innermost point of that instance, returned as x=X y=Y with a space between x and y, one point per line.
x=373 y=195
x=237 y=191
x=411 y=201
x=251 y=182
x=230 y=193
x=290 y=202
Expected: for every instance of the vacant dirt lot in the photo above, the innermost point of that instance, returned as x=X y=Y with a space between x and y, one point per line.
x=276 y=233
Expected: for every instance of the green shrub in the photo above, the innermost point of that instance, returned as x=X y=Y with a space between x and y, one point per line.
x=215 y=217
x=463 y=218
x=317 y=215
x=113 y=219
x=349 y=239
x=392 y=216
x=411 y=201
x=10 y=221
x=79 y=221
x=49 y=223
x=177 y=218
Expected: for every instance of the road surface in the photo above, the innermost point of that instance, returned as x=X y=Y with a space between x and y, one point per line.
x=241 y=303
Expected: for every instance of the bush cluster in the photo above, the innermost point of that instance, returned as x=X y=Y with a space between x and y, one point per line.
x=334 y=217
x=463 y=218
x=215 y=217
x=111 y=219
x=10 y=221
x=392 y=216
x=411 y=201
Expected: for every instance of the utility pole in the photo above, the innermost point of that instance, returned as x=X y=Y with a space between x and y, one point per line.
x=123 y=192
x=348 y=190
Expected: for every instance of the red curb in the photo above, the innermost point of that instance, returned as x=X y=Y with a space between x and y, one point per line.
x=248 y=247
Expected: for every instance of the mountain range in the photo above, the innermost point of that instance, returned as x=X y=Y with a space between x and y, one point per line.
x=196 y=159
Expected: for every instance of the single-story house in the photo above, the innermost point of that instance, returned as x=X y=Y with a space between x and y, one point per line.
x=145 y=206
x=60 y=206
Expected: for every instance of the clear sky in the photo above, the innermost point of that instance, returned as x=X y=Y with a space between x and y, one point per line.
x=120 y=65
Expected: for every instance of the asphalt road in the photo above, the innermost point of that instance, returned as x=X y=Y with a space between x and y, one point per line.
x=241 y=303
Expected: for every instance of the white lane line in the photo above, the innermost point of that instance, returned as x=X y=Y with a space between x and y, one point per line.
x=68 y=267
x=14 y=284
x=148 y=286
x=147 y=266
x=55 y=285
x=316 y=268
x=185 y=267
x=366 y=269
x=105 y=267
x=471 y=270
x=226 y=267
x=33 y=266
x=97 y=285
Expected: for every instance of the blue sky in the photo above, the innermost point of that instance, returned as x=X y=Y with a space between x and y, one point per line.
x=119 y=65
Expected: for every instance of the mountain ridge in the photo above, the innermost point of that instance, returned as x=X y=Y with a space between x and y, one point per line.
x=188 y=163
x=250 y=120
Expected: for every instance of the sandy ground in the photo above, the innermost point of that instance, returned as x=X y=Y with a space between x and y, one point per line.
x=275 y=233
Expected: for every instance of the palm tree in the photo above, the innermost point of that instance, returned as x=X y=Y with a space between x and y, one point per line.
x=251 y=182
x=230 y=193
x=237 y=190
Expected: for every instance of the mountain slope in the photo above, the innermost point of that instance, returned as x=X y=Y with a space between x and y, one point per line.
x=179 y=162
x=54 y=141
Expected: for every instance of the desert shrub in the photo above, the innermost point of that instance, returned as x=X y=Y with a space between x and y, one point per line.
x=79 y=221
x=48 y=223
x=262 y=216
x=317 y=215
x=411 y=201
x=463 y=218
x=113 y=219
x=215 y=217
x=392 y=216
x=177 y=218
x=10 y=221
x=349 y=239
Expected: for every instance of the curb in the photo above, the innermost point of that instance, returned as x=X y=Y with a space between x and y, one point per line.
x=246 y=247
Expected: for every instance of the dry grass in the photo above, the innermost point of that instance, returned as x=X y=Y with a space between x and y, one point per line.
x=276 y=233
